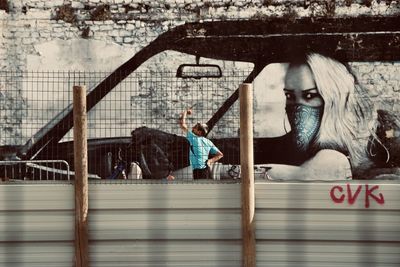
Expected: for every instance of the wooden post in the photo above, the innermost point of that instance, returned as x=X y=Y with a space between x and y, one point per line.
x=247 y=175
x=81 y=177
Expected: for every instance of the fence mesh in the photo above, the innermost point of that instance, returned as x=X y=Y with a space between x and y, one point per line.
x=32 y=104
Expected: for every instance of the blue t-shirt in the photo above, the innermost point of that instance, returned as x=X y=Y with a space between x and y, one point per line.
x=200 y=148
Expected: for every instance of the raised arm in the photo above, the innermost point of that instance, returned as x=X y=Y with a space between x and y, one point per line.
x=182 y=120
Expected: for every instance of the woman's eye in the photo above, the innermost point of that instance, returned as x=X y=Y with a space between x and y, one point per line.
x=288 y=96
x=309 y=96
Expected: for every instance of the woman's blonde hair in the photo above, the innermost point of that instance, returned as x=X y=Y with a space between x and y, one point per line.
x=347 y=120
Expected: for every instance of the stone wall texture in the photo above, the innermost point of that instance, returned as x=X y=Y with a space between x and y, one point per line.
x=26 y=24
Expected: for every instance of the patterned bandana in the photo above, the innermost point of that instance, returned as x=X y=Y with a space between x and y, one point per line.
x=305 y=122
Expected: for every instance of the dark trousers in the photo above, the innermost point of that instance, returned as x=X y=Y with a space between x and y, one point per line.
x=202 y=173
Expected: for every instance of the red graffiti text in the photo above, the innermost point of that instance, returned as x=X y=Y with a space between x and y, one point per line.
x=339 y=194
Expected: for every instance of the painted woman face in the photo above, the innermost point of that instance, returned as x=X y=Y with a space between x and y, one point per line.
x=300 y=87
x=304 y=105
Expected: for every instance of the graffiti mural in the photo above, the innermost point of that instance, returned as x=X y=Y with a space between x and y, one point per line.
x=325 y=116
x=325 y=123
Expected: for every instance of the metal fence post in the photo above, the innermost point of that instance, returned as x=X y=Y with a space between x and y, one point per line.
x=81 y=177
x=247 y=174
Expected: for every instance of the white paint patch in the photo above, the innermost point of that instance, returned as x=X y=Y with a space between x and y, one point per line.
x=269 y=114
x=78 y=55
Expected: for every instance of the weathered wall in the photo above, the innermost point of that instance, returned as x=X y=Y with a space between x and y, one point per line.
x=27 y=23
x=30 y=27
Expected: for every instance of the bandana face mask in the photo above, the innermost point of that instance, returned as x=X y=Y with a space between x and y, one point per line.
x=305 y=122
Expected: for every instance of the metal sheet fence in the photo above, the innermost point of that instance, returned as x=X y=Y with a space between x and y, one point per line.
x=297 y=224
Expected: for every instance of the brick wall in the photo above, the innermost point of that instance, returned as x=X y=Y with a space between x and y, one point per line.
x=25 y=23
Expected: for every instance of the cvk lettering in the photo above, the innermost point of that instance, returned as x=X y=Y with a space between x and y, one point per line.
x=339 y=194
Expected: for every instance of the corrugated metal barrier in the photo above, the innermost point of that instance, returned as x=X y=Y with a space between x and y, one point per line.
x=175 y=224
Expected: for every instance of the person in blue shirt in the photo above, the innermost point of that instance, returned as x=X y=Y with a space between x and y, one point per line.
x=200 y=148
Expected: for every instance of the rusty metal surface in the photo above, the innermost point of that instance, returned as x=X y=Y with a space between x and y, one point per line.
x=275 y=40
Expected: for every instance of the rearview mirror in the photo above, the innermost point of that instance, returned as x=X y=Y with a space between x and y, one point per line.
x=198 y=71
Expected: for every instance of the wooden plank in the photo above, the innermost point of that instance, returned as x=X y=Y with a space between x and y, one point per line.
x=81 y=177
x=247 y=174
